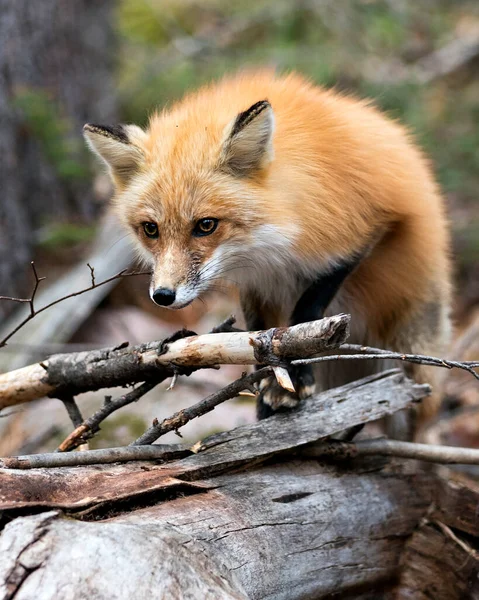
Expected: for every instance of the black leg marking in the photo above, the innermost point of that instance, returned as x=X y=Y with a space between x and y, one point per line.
x=311 y=306
x=320 y=293
x=256 y=314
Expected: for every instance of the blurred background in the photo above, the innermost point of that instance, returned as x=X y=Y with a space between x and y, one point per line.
x=63 y=63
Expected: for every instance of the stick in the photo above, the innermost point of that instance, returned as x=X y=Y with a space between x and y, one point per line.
x=380 y=354
x=31 y=301
x=384 y=447
x=72 y=410
x=333 y=449
x=89 y=371
x=85 y=429
x=200 y=408
x=94 y=457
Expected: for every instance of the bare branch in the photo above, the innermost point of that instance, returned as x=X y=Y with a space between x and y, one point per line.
x=332 y=449
x=34 y=311
x=92 y=273
x=72 y=410
x=30 y=300
x=384 y=447
x=93 y=457
x=88 y=371
x=85 y=429
x=200 y=408
x=380 y=354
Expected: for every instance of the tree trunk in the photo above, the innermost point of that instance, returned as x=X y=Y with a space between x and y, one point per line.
x=55 y=74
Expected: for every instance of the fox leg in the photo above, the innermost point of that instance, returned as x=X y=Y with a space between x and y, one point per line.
x=310 y=306
x=260 y=314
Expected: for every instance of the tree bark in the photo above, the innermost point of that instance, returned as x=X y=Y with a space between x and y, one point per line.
x=55 y=74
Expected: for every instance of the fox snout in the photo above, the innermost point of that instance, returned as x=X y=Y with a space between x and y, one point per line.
x=171 y=287
x=173 y=298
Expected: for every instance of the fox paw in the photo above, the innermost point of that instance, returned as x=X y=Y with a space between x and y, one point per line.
x=273 y=398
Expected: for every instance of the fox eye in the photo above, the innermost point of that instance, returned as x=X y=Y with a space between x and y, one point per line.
x=205 y=227
x=150 y=229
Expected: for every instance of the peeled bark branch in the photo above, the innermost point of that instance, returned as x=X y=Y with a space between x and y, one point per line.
x=88 y=371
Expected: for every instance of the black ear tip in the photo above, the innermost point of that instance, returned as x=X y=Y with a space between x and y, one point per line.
x=249 y=115
x=116 y=132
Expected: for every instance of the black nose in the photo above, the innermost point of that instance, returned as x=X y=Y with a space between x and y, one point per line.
x=164 y=296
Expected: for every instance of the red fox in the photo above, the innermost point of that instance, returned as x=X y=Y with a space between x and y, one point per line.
x=309 y=201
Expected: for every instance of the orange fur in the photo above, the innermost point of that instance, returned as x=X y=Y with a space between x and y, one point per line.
x=340 y=177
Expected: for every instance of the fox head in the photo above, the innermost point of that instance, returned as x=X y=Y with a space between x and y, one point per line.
x=192 y=190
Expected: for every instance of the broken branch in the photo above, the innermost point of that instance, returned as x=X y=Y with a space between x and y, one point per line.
x=370 y=353
x=95 y=457
x=200 y=408
x=338 y=450
x=84 y=430
x=445 y=455
x=88 y=371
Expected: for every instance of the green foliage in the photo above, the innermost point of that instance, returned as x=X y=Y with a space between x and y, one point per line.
x=119 y=430
x=61 y=235
x=64 y=150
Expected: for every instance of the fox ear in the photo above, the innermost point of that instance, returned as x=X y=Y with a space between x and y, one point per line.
x=248 y=145
x=116 y=146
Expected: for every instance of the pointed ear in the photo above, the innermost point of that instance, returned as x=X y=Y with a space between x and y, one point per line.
x=248 y=140
x=116 y=146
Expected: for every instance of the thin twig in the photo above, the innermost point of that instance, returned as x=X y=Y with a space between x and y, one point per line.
x=185 y=415
x=34 y=312
x=85 y=429
x=380 y=354
x=95 y=457
x=384 y=447
x=72 y=410
x=92 y=273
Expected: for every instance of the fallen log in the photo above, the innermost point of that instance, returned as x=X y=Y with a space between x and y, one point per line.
x=285 y=532
x=240 y=517
x=78 y=372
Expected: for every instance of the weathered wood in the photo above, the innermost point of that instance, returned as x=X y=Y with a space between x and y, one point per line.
x=441 y=559
x=197 y=528
x=439 y=564
x=318 y=417
x=288 y=531
x=87 y=371
x=456 y=505
x=99 y=566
